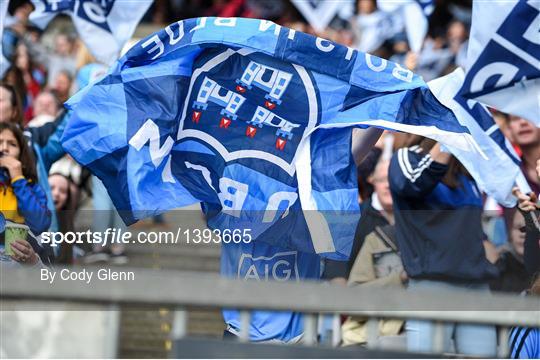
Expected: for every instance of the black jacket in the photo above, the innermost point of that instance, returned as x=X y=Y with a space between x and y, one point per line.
x=438 y=229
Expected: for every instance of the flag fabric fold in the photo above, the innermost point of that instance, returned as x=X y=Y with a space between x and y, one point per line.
x=251 y=119
x=503 y=58
x=103 y=25
x=501 y=157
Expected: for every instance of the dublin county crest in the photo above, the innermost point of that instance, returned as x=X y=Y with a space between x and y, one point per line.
x=248 y=105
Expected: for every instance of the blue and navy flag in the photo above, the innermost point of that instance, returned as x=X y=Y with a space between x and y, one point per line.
x=253 y=120
x=103 y=25
x=498 y=169
x=503 y=58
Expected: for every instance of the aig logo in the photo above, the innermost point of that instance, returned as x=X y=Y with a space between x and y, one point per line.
x=281 y=266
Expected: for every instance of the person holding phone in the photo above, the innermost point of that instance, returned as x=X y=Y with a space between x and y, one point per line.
x=22 y=201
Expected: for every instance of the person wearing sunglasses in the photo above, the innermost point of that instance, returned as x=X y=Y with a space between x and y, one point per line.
x=529 y=206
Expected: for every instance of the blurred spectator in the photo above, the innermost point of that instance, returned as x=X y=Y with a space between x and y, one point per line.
x=527 y=137
x=377 y=264
x=377 y=211
x=513 y=275
x=15 y=25
x=33 y=77
x=62 y=86
x=44 y=141
x=61 y=60
x=61 y=189
x=457 y=36
x=438 y=210
x=15 y=78
x=10 y=109
x=372 y=27
x=22 y=199
x=524 y=343
x=46 y=103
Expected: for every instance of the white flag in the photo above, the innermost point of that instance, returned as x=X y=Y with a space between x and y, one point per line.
x=103 y=25
x=503 y=59
x=496 y=174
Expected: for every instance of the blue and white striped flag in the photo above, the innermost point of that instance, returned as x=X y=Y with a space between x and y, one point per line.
x=103 y=25
x=497 y=173
x=503 y=58
x=253 y=120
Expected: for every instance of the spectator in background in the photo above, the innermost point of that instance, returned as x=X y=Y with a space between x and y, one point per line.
x=33 y=77
x=524 y=343
x=514 y=277
x=15 y=26
x=377 y=211
x=62 y=86
x=372 y=27
x=10 y=109
x=438 y=216
x=22 y=199
x=529 y=206
x=46 y=108
x=527 y=137
x=457 y=38
x=61 y=189
x=15 y=79
x=44 y=141
x=61 y=60
x=378 y=263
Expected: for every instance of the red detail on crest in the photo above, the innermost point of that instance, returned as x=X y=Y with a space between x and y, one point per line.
x=280 y=143
x=240 y=89
x=270 y=105
x=196 y=116
x=251 y=131
x=224 y=123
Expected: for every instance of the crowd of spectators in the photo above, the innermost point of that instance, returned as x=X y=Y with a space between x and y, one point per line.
x=424 y=222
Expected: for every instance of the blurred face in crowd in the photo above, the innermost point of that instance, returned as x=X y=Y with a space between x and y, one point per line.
x=59 y=190
x=45 y=104
x=62 y=84
x=6 y=107
x=62 y=45
x=9 y=145
x=502 y=122
x=457 y=32
x=523 y=132
x=379 y=180
x=23 y=59
x=22 y=13
x=365 y=6
x=517 y=236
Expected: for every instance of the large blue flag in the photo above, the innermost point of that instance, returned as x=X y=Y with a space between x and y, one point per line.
x=103 y=25
x=253 y=120
x=503 y=58
x=497 y=173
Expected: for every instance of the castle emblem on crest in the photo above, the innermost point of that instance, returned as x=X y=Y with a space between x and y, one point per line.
x=268 y=79
x=273 y=81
